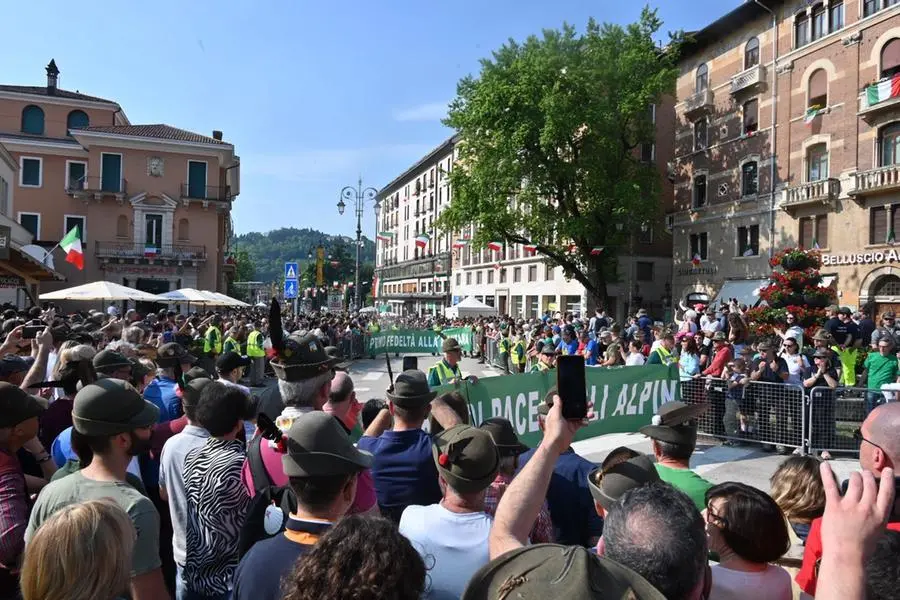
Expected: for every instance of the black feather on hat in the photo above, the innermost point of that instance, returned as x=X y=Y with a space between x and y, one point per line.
x=276 y=332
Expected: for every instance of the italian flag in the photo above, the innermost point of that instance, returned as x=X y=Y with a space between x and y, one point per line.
x=696 y=260
x=596 y=250
x=422 y=240
x=385 y=236
x=460 y=243
x=811 y=114
x=71 y=245
x=150 y=251
x=530 y=248
x=495 y=246
x=883 y=90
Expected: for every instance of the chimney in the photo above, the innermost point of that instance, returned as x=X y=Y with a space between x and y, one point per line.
x=52 y=77
x=217 y=135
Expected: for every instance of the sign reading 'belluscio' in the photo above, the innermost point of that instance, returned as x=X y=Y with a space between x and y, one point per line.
x=861 y=258
x=412 y=341
x=625 y=398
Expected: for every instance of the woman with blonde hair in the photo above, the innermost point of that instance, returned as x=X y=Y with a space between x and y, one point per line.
x=797 y=489
x=83 y=552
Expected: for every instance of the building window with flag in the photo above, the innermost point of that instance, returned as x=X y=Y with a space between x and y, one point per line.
x=699 y=247
x=817 y=162
x=817 y=90
x=748 y=241
x=750 y=178
x=814 y=232
x=883 y=224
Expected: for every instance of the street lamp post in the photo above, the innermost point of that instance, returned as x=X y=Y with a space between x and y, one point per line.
x=359 y=196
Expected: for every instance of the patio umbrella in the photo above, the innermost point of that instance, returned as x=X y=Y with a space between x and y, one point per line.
x=225 y=300
x=101 y=290
x=188 y=295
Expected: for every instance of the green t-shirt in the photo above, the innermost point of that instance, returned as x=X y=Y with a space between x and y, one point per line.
x=76 y=488
x=688 y=482
x=881 y=369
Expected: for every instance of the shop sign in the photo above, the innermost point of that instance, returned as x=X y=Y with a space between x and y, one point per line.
x=861 y=258
x=141 y=269
x=11 y=282
x=704 y=270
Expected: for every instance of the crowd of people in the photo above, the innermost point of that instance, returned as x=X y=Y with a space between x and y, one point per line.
x=136 y=462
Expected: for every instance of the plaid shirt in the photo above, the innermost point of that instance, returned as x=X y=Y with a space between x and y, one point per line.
x=541 y=533
x=13 y=511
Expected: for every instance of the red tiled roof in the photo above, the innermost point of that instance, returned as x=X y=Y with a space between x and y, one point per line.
x=37 y=90
x=159 y=131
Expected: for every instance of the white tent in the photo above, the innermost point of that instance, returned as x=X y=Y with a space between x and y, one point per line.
x=101 y=290
x=189 y=296
x=470 y=307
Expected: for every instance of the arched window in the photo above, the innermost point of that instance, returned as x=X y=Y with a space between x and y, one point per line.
x=184 y=230
x=889 y=142
x=33 y=120
x=818 y=89
x=890 y=58
x=817 y=162
x=751 y=53
x=702 y=81
x=889 y=285
x=76 y=120
x=122 y=226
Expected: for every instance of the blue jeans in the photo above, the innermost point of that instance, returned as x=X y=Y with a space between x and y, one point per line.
x=183 y=593
x=873 y=399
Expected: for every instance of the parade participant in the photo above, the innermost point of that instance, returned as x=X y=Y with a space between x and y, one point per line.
x=109 y=363
x=546 y=359
x=232 y=340
x=517 y=354
x=403 y=469
x=673 y=434
x=622 y=470
x=256 y=351
x=446 y=371
x=453 y=534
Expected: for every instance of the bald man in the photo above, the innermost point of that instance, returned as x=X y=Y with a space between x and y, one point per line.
x=342 y=401
x=879 y=448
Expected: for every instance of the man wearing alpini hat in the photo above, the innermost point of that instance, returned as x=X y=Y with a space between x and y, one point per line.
x=404 y=470
x=453 y=534
x=447 y=369
x=673 y=432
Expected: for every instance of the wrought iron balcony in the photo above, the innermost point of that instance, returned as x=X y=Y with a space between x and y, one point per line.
x=97 y=187
x=824 y=191
x=193 y=191
x=748 y=79
x=699 y=103
x=132 y=250
x=876 y=180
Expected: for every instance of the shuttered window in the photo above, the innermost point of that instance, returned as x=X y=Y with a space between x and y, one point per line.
x=814 y=231
x=818 y=88
x=890 y=58
x=806 y=232
x=879 y=231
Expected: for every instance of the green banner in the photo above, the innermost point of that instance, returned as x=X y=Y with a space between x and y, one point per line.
x=625 y=398
x=417 y=341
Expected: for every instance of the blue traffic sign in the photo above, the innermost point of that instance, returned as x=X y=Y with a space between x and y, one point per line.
x=290 y=271
x=290 y=289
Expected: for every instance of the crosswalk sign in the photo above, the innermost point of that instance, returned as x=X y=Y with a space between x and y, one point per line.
x=290 y=270
x=290 y=289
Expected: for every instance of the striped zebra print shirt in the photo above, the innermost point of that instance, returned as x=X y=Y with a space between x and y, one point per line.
x=217 y=504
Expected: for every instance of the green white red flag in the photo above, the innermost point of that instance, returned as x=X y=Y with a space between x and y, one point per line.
x=71 y=245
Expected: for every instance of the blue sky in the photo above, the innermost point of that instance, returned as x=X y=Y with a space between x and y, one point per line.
x=312 y=94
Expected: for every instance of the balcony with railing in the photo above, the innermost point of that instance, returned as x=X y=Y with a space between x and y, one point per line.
x=86 y=187
x=877 y=98
x=209 y=193
x=133 y=250
x=748 y=79
x=876 y=180
x=437 y=265
x=824 y=192
x=699 y=103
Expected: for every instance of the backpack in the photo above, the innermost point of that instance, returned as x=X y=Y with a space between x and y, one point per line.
x=270 y=507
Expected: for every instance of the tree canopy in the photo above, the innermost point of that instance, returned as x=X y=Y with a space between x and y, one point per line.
x=550 y=132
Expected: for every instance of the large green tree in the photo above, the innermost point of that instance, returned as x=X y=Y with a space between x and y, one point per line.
x=549 y=145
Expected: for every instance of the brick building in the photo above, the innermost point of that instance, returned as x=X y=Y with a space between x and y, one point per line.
x=785 y=137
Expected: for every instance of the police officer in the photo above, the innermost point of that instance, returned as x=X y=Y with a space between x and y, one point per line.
x=447 y=369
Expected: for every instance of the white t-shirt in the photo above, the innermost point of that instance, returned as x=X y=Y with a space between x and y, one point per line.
x=456 y=543
x=797 y=365
x=635 y=359
x=772 y=584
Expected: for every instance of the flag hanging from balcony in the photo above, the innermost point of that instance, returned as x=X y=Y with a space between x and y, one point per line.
x=150 y=251
x=815 y=244
x=71 y=245
x=530 y=248
x=385 y=236
x=811 y=113
x=460 y=243
x=596 y=250
x=495 y=246
x=422 y=240
x=696 y=260
x=883 y=90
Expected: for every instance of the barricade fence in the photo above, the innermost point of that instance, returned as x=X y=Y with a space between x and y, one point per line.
x=836 y=413
x=760 y=412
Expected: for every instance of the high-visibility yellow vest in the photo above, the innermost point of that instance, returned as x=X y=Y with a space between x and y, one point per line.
x=518 y=353
x=212 y=342
x=665 y=357
x=504 y=345
x=539 y=368
x=232 y=345
x=444 y=372
x=255 y=347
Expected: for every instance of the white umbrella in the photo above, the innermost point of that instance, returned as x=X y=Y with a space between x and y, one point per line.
x=101 y=290
x=224 y=300
x=188 y=295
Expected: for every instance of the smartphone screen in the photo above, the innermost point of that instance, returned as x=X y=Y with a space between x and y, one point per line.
x=410 y=363
x=31 y=331
x=570 y=381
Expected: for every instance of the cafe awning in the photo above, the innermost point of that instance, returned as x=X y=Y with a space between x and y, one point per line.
x=746 y=291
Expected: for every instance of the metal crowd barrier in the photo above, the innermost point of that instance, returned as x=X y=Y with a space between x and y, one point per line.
x=764 y=413
x=353 y=345
x=834 y=415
